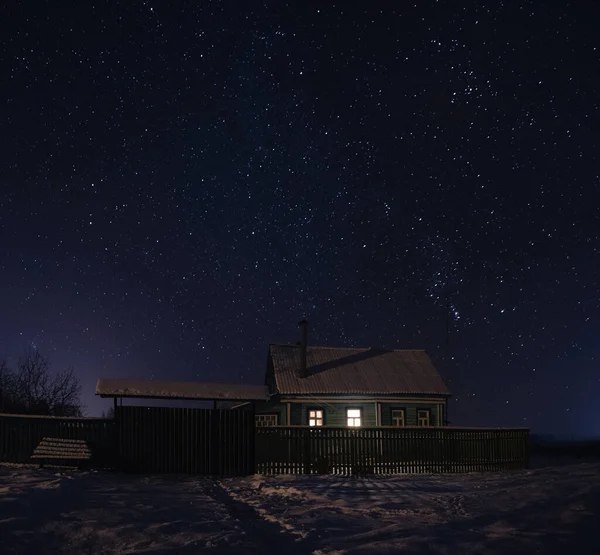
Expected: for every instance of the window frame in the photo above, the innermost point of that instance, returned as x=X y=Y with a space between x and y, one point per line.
x=403 y=412
x=257 y=420
x=426 y=411
x=322 y=418
x=354 y=418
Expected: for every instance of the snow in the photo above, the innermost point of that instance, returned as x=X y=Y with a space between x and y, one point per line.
x=554 y=509
x=157 y=389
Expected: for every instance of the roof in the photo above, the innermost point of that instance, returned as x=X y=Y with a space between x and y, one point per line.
x=156 y=389
x=368 y=371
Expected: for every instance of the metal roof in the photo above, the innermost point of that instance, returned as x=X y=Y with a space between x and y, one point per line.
x=156 y=389
x=368 y=371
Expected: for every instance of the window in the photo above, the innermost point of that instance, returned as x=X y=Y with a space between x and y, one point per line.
x=315 y=417
x=353 y=417
x=398 y=417
x=264 y=420
x=423 y=417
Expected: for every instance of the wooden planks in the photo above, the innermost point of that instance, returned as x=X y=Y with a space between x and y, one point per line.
x=55 y=449
x=184 y=440
x=417 y=450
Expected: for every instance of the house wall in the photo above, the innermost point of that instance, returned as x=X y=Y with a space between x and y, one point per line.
x=437 y=412
x=273 y=408
x=334 y=414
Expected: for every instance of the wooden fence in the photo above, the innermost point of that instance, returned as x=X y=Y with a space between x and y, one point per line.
x=181 y=440
x=226 y=443
x=306 y=450
x=20 y=435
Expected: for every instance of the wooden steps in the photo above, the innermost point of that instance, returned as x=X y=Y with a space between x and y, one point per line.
x=62 y=450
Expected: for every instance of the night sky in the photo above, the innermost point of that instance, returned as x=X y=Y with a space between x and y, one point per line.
x=181 y=183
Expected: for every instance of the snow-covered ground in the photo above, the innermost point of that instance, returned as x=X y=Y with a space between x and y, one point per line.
x=554 y=509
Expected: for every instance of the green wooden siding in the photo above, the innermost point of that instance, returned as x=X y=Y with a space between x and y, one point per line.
x=274 y=408
x=410 y=413
x=282 y=409
x=334 y=413
x=296 y=415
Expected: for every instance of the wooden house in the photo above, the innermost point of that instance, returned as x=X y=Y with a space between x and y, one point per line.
x=351 y=387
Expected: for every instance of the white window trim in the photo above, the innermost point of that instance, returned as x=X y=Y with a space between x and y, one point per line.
x=420 y=418
x=394 y=418
x=266 y=420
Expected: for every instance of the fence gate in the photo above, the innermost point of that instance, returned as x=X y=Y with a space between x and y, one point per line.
x=180 y=440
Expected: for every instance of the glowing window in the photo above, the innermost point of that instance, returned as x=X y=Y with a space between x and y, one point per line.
x=353 y=417
x=315 y=417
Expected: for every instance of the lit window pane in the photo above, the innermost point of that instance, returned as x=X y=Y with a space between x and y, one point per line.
x=319 y=414
x=312 y=413
x=311 y=422
x=319 y=422
x=353 y=413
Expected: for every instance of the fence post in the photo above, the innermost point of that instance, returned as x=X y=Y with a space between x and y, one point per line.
x=306 y=450
x=252 y=469
x=213 y=443
x=116 y=451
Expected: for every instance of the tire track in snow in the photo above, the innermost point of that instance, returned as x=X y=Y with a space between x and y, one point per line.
x=264 y=531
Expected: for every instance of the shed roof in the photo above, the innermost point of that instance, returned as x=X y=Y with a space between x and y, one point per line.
x=156 y=389
x=334 y=370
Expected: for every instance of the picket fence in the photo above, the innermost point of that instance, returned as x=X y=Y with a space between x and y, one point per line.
x=227 y=443
x=389 y=450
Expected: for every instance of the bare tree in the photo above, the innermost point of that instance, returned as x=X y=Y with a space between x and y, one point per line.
x=5 y=376
x=110 y=413
x=37 y=390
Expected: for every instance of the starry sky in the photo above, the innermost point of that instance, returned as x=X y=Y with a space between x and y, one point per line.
x=181 y=183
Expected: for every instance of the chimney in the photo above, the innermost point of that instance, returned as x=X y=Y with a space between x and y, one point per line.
x=303 y=373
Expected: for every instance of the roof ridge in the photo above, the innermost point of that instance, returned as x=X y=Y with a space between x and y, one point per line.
x=348 y=348
x=321 y=347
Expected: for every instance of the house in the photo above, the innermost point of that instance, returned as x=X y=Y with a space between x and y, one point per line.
x=333 y=386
